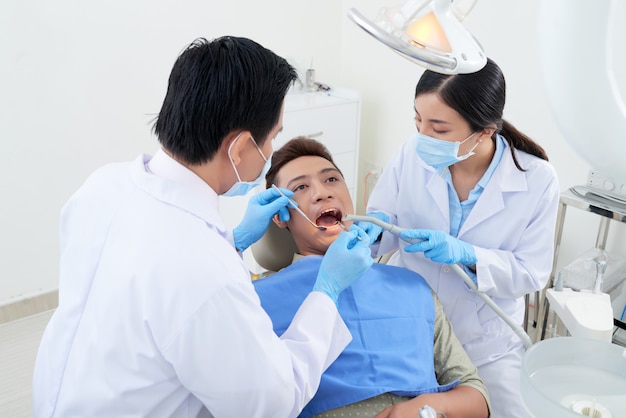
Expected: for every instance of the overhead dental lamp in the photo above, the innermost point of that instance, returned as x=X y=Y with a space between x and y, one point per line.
x=428 y=33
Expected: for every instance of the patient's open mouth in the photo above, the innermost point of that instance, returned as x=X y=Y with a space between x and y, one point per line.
x=329 y=217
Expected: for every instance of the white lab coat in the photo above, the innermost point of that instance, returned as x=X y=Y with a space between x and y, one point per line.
x=511 y=228
x=157 y=315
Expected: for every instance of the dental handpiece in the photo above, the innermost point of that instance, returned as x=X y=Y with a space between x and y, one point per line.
x=394 y=229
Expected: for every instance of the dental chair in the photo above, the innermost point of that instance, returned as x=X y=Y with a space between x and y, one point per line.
x=275 y=250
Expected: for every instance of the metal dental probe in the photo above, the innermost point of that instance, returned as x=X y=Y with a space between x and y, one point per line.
x=295 y=206
x=301 y=212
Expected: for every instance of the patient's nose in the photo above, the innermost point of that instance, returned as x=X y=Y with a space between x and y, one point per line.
x=319 y=191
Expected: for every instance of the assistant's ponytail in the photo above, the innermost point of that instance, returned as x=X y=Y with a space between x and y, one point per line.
x=522 y=142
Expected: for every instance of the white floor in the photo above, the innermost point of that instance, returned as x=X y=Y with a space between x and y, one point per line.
x=19 y=341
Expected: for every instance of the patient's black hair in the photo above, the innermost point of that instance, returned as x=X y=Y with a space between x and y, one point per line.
x=296 y=148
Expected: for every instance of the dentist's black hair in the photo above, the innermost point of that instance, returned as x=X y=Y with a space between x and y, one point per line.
x=479 y=98
x=217 y=87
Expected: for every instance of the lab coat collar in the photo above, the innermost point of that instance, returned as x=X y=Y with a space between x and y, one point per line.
x=506 y=178
x=171 y=182
x=438 y=193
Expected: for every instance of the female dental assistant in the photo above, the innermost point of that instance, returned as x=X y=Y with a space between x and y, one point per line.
x=157 y=314
x=480 y=193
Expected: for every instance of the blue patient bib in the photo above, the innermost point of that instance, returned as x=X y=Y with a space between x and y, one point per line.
x=390 y=314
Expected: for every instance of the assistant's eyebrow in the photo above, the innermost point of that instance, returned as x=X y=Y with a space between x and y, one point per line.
x=444 y=122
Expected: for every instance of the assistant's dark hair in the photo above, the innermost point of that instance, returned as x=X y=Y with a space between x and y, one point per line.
x=479 y=98
x=217 y=87
x=294 y=148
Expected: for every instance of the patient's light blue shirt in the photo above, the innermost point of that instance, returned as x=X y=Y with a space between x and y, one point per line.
x=390 y=314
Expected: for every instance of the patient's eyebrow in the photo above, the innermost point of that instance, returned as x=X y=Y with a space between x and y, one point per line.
x=326 y=170
x=305 y=176
x=295 y=179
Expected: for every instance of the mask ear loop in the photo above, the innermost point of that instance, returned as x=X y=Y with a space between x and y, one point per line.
x=471 y=151
x=232 y=162
x=257 y=147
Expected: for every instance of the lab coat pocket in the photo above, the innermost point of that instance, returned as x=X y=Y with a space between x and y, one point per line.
x=465 y=321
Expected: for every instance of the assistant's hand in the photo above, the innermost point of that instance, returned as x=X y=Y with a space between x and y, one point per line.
x=373 y=230
x=440 y=247
x=344 y=262
x=261 y=209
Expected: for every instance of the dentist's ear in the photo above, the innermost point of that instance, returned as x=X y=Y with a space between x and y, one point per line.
x=235 y=143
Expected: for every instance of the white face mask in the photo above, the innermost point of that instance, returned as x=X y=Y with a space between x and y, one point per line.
x=241 y=188
x=440 y=154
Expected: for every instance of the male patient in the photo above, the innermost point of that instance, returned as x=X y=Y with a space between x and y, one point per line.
x=404 y=354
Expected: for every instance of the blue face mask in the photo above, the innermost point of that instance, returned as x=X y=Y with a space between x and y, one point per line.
x=440 y=154
x=241 y=188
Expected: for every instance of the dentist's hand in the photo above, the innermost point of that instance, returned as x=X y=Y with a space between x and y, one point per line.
x=344 y=262
x=372 y=230
x=440 y=247
x=261 y=209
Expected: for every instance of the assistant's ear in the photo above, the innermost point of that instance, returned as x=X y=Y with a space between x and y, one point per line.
x=235 y=142
x=278 y=222
x=487 y=132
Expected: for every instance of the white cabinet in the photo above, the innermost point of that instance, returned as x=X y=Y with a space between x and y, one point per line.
x=332 y=118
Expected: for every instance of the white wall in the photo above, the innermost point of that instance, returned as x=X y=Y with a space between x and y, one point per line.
x=80 y=83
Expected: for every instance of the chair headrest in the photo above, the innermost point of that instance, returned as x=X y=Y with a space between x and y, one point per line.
x=275 y=250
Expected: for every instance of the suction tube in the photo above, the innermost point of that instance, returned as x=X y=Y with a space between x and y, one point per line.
x=515 y=327
x=396 y=230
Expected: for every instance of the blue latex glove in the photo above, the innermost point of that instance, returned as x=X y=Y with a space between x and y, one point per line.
x=373 y=231
x=440 y=247
x=345 y=261
x=261 y=209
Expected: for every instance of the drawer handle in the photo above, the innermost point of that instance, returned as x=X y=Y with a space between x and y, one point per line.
x=315 y=135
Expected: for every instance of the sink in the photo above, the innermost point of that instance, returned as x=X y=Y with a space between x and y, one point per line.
x=574 y=377
x=584 y=314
